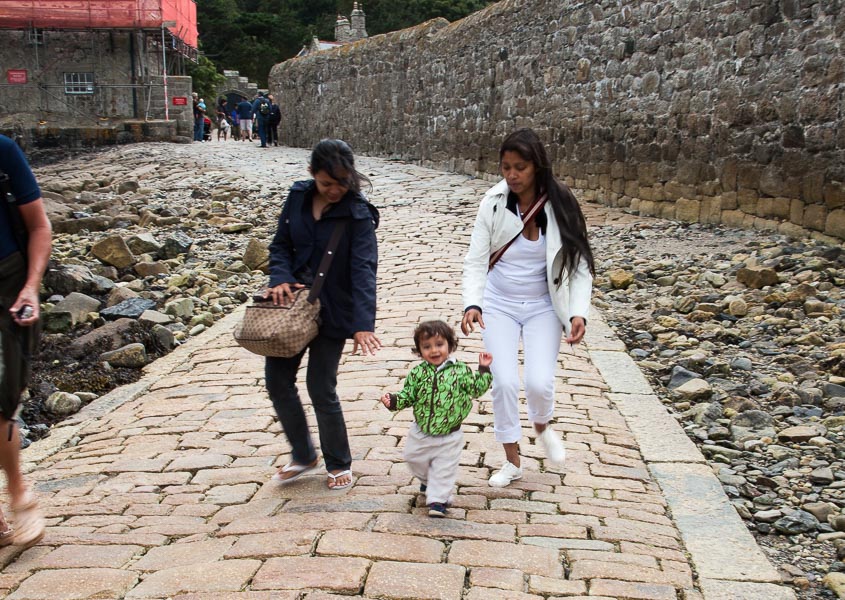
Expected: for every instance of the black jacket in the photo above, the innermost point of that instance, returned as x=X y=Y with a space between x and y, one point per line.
x=348 y=297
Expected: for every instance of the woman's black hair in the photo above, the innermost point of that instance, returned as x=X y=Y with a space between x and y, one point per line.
x=429 y=329
x=335 y=156
x=567 y=212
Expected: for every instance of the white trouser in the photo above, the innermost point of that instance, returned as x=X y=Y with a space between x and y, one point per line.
x=434 y=460
x=537 y=323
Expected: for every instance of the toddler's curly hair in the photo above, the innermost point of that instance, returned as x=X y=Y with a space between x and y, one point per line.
x=429 y=329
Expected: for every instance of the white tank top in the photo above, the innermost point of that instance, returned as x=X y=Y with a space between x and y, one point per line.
x=521 y=272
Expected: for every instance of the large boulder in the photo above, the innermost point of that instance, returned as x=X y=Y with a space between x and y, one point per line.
x=63 y=404
x=132 y=355
x=131 y=308
x=78 y=306
x=109 y=336
x=752 y=424
x=256 y=255
x=119 y=294
x=757 y=277
x=64 y=279
x=144 y=243
x=176 y=244
x=113 y=251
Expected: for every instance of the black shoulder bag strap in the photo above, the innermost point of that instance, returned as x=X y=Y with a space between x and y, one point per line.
x=326 y=261
x=13 y=214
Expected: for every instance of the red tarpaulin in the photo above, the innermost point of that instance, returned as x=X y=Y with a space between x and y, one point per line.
x=102 y=14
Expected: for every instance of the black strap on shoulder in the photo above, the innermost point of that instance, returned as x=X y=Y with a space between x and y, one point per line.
x=326 y=261
x=10 y=207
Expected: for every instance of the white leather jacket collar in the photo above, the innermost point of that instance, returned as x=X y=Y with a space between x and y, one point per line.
x=494 y=227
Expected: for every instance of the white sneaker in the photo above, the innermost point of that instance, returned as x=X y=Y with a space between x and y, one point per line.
x=552 y=446
x=504 y=476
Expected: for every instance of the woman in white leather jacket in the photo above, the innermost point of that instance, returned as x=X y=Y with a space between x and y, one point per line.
x=537 y=289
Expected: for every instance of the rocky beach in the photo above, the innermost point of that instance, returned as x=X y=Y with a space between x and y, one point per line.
x=739 y=332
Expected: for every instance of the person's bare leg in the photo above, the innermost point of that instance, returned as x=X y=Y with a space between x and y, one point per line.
x=512 y=453
x=29 y=523
x=10 y=451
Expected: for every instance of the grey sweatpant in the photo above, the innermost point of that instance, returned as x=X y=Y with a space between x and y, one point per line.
x=434 y=460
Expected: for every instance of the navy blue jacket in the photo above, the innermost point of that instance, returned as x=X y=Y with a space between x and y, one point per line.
x=348 y=297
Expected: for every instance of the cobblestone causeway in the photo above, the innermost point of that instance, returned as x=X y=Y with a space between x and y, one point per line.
x=162 y=488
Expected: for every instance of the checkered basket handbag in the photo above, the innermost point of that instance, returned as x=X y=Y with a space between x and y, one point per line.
x=277 y=330
x=286 y=330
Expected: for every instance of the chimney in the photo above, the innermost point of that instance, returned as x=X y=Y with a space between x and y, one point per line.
x=342 y=31
x=359 y=22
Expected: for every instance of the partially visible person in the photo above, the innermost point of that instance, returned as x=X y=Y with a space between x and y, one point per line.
x=261 y=109
x=199 y=113
x=222 y=113
x=206 y=121
x=440 y=390
x=275 y=119
x=25 y=242
x=245 y=117
x=312 y=212
x=223 y=127
x=538 y=287
x=236 y=125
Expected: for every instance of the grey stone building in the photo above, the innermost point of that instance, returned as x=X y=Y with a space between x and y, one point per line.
x=92 y=64
x=345 y=31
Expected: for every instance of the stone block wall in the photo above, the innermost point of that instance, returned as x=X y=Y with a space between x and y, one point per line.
x=700 y=110
x=112 y=57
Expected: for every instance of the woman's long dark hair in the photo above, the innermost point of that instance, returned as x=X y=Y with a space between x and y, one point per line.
x=567 y=212
x=333 y=157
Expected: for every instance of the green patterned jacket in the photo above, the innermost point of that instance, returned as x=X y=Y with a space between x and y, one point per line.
x=441 y=396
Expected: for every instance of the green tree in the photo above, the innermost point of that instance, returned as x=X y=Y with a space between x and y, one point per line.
x=253 y=35
x=205 y=79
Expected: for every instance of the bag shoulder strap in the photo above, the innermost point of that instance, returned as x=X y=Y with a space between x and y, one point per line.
x=10 y=207
x=526 y=218
x=326 y=261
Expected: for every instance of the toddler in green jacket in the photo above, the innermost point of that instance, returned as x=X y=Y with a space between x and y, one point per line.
x=440 y=390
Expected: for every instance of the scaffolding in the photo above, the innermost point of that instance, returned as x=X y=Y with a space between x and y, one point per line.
x=178 y=17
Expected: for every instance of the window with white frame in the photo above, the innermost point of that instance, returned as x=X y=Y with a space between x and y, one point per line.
x=36 y=36
x=79 y=83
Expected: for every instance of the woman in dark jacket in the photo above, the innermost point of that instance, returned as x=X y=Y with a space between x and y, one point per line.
x=348 y=304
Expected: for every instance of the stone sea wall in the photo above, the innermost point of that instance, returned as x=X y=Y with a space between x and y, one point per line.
x=721 y=112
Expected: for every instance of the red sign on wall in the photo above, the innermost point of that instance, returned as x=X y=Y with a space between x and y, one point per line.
x=180 y=101
x=16 y=76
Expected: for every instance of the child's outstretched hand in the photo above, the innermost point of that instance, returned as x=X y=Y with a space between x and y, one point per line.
x=385 y=400
x=485 y=359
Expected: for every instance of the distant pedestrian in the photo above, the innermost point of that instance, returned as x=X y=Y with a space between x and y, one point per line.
x=223 y=127
x=275 y=119
x=25 y=242
x=245 y=116
x=236 y=125
x=222 y=113
x=261 y=109
x=199 y=114
x=529 y=268
x=440 y=390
